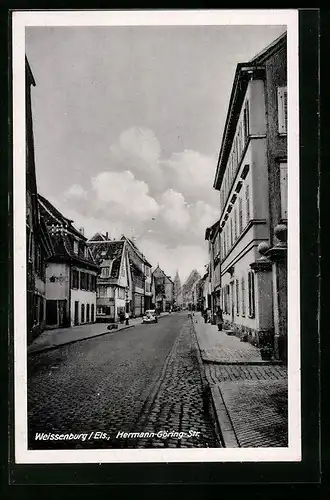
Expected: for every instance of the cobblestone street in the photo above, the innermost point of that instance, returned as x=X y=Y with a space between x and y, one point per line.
x=142 y=379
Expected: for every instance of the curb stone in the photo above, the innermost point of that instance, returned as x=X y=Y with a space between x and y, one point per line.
x=56 y=346
x=214 y=415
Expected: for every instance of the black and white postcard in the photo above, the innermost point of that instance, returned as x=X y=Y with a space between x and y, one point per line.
x=156 y=236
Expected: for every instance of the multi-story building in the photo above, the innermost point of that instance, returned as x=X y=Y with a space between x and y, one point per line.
x=141 y=279
x=38 y=244
x=212 y=235
x=188 y=296
x=164 y=290
x=70 y=272
x=114 y=283
x=251 y=176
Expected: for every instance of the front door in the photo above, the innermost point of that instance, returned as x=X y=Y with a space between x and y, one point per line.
x=62 y=313
x=76 y=312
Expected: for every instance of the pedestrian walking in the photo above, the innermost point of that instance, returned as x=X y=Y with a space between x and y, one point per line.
x=219 y=318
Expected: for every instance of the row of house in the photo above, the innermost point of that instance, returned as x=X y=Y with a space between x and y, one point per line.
x=247 y=270
x=72 y=280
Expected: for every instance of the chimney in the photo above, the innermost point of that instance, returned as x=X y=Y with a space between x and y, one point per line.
x=82 y=231
x=107 y=235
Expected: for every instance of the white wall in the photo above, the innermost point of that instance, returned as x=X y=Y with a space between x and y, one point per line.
x=59 y=290
x=83 y=297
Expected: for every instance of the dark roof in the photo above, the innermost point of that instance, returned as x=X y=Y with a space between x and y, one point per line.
x=136 y=250
x=262 y=56
x=241 y=79
x=108 y=250
x=163 y=273
x=28 y=73
x=62 y=240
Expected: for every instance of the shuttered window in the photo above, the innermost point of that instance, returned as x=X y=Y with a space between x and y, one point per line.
x=282 y=107
x=284 y=190
x=243 y=296
x=251 y=294
x=247 y=201
x=237 y=297
x=240 y=216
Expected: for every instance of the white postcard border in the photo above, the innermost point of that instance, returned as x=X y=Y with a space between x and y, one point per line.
x=21 y=19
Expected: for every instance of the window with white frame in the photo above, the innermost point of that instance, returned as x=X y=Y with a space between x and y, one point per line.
x=105 y=272
x=247 y=201
x=282 y=108
x=251 y=294
x=243 y=295
x=240 y=215
x=237 y=297
x=284 y=190
x=75 y=246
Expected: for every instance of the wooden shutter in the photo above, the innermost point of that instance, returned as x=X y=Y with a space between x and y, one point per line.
x=282 y=107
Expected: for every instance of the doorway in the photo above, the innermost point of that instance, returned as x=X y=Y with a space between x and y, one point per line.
x=76 y=312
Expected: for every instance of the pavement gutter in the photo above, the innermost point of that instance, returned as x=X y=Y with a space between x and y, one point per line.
x=210 y=395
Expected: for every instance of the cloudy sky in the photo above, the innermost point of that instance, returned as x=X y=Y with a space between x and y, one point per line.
x=128 y=124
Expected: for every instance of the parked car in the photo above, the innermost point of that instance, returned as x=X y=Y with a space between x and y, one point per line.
x=150 y=316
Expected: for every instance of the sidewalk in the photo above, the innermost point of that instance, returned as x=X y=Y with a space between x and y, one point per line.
x=249 y=395
x=51 y=339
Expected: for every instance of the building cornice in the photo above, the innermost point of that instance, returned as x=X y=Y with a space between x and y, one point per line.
x=244 y=73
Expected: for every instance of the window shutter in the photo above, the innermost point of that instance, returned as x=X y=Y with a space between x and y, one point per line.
x=282 y=106
x=247 y=197
x=284 y=190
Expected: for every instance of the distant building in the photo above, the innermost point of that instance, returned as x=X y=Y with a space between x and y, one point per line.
x=163 y=289
x=38 y=245
x=212 y=235
x=70 y=272
x=114 y=283
x=188 y=294
x=141 y=279
x=252 y=179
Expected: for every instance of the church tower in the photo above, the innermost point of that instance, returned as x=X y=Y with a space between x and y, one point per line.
x=177 y=290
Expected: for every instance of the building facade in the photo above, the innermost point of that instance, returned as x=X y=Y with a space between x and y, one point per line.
x=141 y=279
x=114 y=282
x=70 y=272
x=251 y=177
x=188 y=294
x=163 y=289
x=38 y=245
x=212 y=235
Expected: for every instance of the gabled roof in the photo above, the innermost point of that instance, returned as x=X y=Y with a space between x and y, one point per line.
x=28 y=73
x=192 y=278
x=135 y=249
x=162 y=272
x=62 y=239
x=108 y=250
x=268 y=51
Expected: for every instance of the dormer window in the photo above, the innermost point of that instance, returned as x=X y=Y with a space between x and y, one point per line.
x=105 y=272
x=75 y=246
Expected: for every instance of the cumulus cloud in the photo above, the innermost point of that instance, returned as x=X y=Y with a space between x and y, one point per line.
x=192 y=173
x=125 y=195
x=138 y=150
x=174 y=210
x=165 y=205
x=76 y=192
